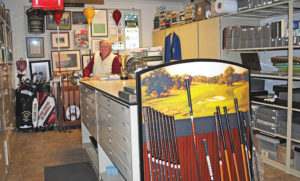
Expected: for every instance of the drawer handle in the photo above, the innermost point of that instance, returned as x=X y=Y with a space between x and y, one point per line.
x=123 y=108
x=110 y=152
x=124 y=139
x=124 y=153
x=109 y=140
x=123 y=123
x=108 y=102
x=109 y=127
x=109 y=116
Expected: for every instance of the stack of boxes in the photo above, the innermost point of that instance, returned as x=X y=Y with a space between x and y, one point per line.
x=270 y=35
x=248 y=4
x=189 y=13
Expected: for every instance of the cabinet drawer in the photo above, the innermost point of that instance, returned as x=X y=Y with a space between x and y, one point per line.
x=87 y=92
x=122 y=140
x=115 y=122
x=115 y=107
x=126 y=171
x=123 y=154
x=89 y=101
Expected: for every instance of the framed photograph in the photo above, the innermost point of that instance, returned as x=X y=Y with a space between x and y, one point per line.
x=35 y=47
x=85 y=60
x=65 y=22
x=69 y=61
x=96 y=45
x=40 y=66
x=78 y=18
x=99 y=23
x=63 y=40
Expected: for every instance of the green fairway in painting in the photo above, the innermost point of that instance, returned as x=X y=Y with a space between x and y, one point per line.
x=205 y=98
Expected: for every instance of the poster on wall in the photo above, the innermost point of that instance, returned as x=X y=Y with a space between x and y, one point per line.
x=81 y=38
x=172 y=136
x=99 y=23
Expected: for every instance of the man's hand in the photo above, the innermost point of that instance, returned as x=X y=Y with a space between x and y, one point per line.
x=89 y=78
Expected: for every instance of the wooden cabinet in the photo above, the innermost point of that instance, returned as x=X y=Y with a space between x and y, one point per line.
x=198 y=40
x=209 y=38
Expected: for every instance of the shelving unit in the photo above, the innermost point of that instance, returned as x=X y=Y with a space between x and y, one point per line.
x=7 y=100
x=255 y=17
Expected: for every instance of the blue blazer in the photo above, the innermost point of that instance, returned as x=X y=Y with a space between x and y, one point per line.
x=172 y=51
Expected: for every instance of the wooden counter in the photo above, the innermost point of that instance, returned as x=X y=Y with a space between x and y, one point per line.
x=110 y=87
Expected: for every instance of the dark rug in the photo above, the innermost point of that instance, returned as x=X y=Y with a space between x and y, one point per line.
x=71 y=172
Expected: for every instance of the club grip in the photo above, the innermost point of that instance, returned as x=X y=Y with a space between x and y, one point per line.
x=187 y=83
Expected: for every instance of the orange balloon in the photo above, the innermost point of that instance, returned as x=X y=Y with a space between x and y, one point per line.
x=89 y=14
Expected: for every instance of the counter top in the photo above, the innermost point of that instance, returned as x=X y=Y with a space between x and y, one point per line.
x=110 y=87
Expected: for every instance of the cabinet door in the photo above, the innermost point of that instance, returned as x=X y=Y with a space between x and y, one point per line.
x=209 y=38
x=158 y=38
x=188 y=39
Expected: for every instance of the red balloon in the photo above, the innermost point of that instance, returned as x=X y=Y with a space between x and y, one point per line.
x=117 y=16
x=57 y=15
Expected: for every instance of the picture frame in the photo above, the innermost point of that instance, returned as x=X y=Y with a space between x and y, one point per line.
x=35 y=47
x=78 y=18
x=69 y=60
x=65 y=22
x=96 y=45
x=40 y=66
x=85 y=58
x=99 y=23
x=64 y=40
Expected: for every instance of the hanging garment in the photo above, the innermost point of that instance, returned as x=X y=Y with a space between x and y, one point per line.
x=172 y=48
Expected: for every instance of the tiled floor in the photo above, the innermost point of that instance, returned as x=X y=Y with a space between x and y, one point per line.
x=34 y=151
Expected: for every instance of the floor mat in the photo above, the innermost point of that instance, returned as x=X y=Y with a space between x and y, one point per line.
x=71 y=172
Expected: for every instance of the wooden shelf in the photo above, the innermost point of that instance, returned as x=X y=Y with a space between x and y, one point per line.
x=271 y=105
x=261 y=48
x=270 y=133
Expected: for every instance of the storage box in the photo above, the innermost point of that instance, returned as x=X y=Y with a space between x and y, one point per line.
x=244 y=38
x=266 y=125
x=228 y=33
x=272 y=111
x=258 y=37
x=267 y=36
x=250 y=37
x=297 y=157
x=267 y=146
x=236 y=36
x=242 y=5
x=281 y=157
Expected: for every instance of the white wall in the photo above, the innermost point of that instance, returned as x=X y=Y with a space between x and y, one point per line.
x=147 y=8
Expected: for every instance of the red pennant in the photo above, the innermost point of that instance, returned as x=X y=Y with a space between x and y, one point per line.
x=21 y=64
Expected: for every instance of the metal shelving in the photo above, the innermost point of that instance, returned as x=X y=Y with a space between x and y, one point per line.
x=255 y=15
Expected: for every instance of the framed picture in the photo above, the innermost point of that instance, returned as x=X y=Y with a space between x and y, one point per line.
x=63 y=41
x=81 y=38
x=96 y=45
x=78 y=18
x=85 y=60
x=40 y=66
x=99 y=23
x=69 y=61
x=35 y=47
x=65 y=22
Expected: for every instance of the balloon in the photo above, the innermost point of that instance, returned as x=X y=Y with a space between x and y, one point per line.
x=89 y=14
x=57 y=15
x=117 y=16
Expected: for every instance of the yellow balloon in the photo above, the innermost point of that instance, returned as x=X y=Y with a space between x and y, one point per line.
x=89 y=14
